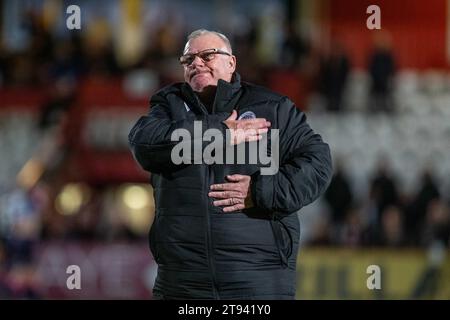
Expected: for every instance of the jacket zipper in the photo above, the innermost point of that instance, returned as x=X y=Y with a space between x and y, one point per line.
x=209 y=249
x=208 y=235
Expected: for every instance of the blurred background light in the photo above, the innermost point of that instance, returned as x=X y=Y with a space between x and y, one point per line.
x=136 y=197
x=71 y=198
x=138 y=207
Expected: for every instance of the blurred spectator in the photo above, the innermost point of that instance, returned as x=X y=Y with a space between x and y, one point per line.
x=437 y=224
x=162 y=55
x=245 y=44
x=21 y=71
x=436 y=238
x=85 y=223
x=42 y=42
x=3 y=65
x=4 y=290
x=40 y=50
x=351 y=233
x=383 y=190
x=62 y=98
x=21 y=283
x=381 y=69
x=55 y=227
x=391 y=233
x=98 y=51
x=322 y=233
x=334 y=71
x=113 y=227
x=339 y=194
x=20 y=222
x=416 y=212
x=68 y=60
x=293 y=48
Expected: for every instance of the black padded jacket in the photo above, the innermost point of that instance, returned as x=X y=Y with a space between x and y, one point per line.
x=201 y=252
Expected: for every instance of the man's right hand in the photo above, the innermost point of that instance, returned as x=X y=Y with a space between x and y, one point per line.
x=246 y=130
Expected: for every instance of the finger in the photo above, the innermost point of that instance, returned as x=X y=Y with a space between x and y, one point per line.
x=236 y=177
x=233 y=115
x=262 y=131
x=236 y=207
x=254 y=132
x=226 y=202
x=225 y=194
x=253 y=125
x=253 y=138
x=225 y=187
x=263 y=120
x=251 y=121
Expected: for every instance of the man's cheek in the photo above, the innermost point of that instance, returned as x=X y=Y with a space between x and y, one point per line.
x=186 y=76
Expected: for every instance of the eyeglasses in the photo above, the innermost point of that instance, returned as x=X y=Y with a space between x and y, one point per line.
x=206 y=55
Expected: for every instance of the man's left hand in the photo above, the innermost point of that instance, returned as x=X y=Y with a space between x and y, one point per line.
x=235 y=195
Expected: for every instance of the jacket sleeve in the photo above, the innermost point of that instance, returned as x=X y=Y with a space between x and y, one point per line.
x=150 y=138
x=305 y=166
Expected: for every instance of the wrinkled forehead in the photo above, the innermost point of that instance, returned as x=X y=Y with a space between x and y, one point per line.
x=203 y=42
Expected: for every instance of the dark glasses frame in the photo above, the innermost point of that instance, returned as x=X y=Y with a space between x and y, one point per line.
x=206 y=55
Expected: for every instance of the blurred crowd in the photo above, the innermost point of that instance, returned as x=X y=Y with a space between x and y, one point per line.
x=282 y=58
x=387 y=216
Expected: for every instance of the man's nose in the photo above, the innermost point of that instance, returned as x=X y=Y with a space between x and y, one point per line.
x=197 y=61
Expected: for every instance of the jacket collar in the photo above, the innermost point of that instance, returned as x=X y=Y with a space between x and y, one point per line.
x=227 y=94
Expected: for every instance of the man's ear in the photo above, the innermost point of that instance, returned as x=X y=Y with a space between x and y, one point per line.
x=232 y=63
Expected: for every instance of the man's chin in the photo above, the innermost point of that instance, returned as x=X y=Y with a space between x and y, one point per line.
x=201 y=87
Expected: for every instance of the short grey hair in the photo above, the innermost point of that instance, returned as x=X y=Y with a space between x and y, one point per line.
x=201 y=32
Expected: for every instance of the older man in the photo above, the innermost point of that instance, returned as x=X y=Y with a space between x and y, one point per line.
x=226 y=230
